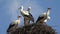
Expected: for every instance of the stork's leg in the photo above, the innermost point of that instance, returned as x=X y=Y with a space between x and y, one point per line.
x=28 y=21
x=24 y=22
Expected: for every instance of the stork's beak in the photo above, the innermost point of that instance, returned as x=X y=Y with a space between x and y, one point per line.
x=49 y=8
x=20 y=7
x=19 y=16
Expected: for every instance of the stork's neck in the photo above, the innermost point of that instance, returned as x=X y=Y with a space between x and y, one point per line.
x=18 y=18
x=48 y=12
x=21 y=9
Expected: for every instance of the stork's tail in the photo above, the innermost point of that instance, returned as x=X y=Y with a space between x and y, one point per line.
x=7 y=30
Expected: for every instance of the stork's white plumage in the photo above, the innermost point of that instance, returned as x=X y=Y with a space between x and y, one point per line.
x=44 y=16
x=14 y=24
x=23 y=12
x=16 y=21
x=48 y=15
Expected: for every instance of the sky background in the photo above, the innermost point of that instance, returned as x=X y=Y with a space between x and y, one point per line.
x=9 y=12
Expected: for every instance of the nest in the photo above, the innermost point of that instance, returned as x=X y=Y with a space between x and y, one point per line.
x=33 y=29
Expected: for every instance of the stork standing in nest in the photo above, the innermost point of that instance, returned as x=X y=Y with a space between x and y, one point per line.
x=27 y=15
x=14 y=24
x=44 y=17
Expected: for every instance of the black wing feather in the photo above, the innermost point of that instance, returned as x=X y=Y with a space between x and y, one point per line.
x=30 y=16
x=40 y=18
x=10 y=26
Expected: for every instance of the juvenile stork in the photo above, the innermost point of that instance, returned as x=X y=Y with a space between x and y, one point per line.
x=44 y=17
x=14 y=24
x=27 y=15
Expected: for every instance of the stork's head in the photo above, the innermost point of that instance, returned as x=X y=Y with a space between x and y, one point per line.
x=18 y=17
x=21 y=8
x=29 y=7
x=49 y=8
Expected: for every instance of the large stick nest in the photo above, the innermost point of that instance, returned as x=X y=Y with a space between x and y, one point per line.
x=33 y=29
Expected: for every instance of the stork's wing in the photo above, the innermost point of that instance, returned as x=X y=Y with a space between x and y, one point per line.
x=10 y=26
x=39 y=18
x=30 y=17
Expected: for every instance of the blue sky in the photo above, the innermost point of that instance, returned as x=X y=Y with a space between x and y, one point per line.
x=9 y=11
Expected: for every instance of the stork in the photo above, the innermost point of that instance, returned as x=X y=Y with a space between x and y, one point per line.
x=27 y=15
x=14 y=24
x=44 y=17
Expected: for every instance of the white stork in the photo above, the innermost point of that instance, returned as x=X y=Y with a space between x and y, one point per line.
x=14 y=24
x=27 y=15
x=44 y=17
